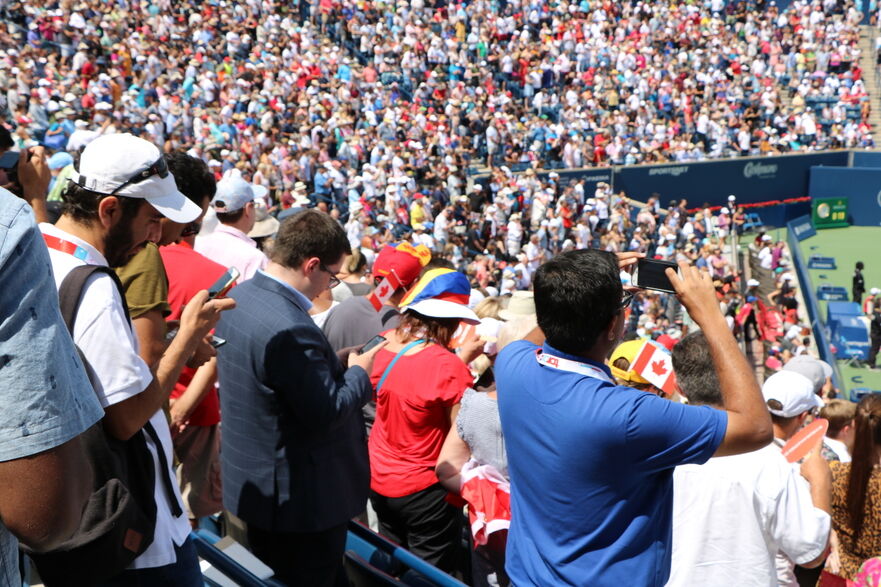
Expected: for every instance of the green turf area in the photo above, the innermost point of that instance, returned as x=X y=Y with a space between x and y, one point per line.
x=847 y=245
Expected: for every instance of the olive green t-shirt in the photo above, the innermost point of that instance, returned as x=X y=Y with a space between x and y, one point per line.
x=145 y=283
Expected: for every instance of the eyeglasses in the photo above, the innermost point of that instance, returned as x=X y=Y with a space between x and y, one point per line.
x=626 y=300
x=334 y=280
x=159 y=167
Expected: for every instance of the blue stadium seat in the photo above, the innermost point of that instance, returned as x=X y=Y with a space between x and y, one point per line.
x=205 y=541
x=752 y=222
x=377 y=550
x=362 y=574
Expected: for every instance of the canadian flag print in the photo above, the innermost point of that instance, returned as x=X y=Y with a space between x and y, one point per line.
x=655 y=365
x=383 y=291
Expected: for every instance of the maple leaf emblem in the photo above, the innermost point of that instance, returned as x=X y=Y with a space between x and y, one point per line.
x=383 y=291
x=658 y=367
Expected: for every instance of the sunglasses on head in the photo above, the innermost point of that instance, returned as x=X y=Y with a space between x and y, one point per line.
x=159 y=167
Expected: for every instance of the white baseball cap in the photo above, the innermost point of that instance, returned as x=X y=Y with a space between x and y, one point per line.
x=792 y=391
x=127 y=166
x=232 y=194
x=752 y=283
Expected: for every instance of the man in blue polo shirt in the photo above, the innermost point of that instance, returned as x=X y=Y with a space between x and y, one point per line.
x=591 y=462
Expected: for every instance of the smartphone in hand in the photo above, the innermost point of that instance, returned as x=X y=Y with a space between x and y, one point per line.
x=651 y=274
x=222 y=286
x=378 y=339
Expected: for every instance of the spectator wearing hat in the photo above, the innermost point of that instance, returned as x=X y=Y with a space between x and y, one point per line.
x=412 y=421
x=791 y=399
x=621 y=361
x=112 y=207
x=230 y=244
x=733 y=514
x=61 y=166
x=591 y=462
x=295 y=467
x=817 y=371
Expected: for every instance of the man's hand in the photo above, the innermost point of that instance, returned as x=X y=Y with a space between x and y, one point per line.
x=817 y=472
x=204 y=352
x=34 y=174
x=179 y=419
x=471 y=349
x=365 y=361
x=626 y=262
x=696 y=292
x=201 y=314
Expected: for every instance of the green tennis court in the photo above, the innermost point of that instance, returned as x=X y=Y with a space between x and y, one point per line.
x=847 y=246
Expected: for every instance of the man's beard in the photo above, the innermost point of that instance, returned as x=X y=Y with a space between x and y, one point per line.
x=119 y=243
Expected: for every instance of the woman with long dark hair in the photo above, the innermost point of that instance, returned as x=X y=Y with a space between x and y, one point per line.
x=419 y=383
x=856 y=492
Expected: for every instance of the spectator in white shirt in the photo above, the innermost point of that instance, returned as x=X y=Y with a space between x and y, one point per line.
x=731 y=515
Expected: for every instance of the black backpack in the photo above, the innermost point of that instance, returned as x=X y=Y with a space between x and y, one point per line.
x=120 y=517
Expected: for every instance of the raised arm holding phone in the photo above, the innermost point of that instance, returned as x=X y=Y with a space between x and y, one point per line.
x=598 y=455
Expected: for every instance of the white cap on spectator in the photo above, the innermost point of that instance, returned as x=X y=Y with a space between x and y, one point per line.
x=232 y=194
x=127 y=166
x=789 y=394
x=752 y=283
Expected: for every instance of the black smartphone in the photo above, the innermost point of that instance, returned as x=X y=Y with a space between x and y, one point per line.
x=216 y=341
x=371 y=344
x=222 y=286
x=651 y=274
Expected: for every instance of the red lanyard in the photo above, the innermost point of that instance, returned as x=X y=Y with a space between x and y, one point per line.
x=59 y=244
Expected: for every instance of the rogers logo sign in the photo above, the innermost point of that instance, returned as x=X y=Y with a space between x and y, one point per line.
x=755 y=169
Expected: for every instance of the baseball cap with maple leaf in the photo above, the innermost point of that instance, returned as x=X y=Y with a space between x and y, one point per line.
x=402 y=259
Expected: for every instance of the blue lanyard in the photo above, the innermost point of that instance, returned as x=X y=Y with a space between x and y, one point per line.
x=395 y=360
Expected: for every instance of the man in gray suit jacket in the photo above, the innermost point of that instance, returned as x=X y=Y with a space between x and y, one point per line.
x=294 y=452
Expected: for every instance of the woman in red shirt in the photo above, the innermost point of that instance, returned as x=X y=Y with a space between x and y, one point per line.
x=418 y=381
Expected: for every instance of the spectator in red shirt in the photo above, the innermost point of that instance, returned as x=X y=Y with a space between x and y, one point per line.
x=195 y=408
x=419 y=383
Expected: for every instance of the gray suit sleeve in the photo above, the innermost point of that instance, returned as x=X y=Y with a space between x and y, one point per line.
x=301 y=367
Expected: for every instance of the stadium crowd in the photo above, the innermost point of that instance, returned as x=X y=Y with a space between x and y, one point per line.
x=385 y=89
x=321 y=150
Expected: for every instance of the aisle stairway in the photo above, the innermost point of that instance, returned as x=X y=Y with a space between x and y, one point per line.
x=871 y=75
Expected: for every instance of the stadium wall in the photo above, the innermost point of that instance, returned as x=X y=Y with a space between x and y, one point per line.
x=751 y=179
x=798 y=230
x=866 y=159
x=860 y=185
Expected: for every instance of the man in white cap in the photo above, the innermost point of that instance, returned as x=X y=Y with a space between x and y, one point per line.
x=230 y=244
x=732 y=514
x=791 y=399
x=113 y=206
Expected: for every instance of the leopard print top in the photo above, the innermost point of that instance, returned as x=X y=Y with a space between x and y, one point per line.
x=853 y=554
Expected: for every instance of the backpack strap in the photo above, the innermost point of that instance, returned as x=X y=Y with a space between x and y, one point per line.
x=69 y=296
x=395 y=360
x=70 y=292
x=176 y=510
